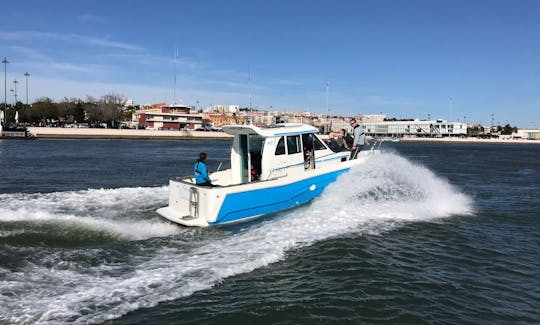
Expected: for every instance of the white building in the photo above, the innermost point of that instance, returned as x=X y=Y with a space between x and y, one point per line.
x=416 y=128
x=128 y=103
x=373 y=118
x=164 y=117
x=227 y=109
x=530 y=134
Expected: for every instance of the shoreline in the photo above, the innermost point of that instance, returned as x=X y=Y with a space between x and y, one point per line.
x=471 y=140
x=90 y=133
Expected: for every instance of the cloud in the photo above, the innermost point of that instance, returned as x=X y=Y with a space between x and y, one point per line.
x=89 y=18
x=58 y=88
x=30 y=35
x=382 y=101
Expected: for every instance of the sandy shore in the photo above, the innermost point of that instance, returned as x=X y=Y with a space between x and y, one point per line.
x=88 y=133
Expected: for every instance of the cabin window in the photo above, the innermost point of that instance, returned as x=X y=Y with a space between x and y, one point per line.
x=318 y=144
x=293 y=144
x=255 y=143
x=280 y=148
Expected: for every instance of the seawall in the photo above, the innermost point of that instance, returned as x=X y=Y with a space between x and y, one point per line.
x=91 y=133
x=471 y=140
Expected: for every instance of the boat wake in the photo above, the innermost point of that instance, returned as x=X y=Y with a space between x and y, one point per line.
x=58 y=287
x=120 y=214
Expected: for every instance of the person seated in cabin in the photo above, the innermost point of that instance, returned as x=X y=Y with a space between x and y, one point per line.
x=201 y=171
x=338 y=141
x=254 y=175
x=349 y=140
x=256 y=165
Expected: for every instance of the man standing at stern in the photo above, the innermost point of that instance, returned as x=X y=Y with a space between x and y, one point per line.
x=359 y=138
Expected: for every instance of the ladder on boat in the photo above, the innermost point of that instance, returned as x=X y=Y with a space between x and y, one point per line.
x=193 y=202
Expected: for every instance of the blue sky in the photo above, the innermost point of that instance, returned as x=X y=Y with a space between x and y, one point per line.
x=448 y=59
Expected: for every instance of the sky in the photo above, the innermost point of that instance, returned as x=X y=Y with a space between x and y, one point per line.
x=452 y=59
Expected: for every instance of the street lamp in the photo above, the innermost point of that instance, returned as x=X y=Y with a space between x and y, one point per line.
x=451 y=108
x=15 y=82
x=5 y=62
x=327 y=86
x=27 y=75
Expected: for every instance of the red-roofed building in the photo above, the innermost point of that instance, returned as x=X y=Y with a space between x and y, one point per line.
x=168 y=117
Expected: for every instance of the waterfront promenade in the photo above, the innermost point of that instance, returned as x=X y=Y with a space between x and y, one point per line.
x=470 y=140
x=90 y=133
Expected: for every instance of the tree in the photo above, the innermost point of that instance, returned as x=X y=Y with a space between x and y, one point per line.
x=108 y=109
x=92 y=110
x=43 y=108
x=71 y=109
x=507 y=129
x=112 y=106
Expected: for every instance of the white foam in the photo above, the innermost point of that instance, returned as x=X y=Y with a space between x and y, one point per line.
x=89 y=201
x=103 y=210
x=373 y=198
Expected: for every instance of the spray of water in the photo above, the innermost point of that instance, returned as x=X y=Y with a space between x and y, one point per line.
x=108 y=211
x=372 y=198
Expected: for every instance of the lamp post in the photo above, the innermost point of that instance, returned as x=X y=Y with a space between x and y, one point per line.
x=451 y=108
x=5 y=62
x=15 y=82
x=27 y=75
x=327 y=86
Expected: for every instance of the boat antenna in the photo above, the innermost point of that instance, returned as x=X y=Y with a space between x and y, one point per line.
x=327 y=87
x=174 y=86
x=249 y=86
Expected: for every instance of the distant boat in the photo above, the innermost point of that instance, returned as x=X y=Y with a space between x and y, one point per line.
x=19 y=132
x=273 y=168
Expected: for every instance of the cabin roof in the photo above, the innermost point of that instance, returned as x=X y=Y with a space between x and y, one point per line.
x=275 y=130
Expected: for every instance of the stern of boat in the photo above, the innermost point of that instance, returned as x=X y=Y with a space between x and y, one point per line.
x=192 y=205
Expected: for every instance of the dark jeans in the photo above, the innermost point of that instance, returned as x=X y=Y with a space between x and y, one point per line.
x=354 y=153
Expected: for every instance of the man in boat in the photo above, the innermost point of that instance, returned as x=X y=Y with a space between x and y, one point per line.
x=359 y=138
x=338 y=141
x=201 y=171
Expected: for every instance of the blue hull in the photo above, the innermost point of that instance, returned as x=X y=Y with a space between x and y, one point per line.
x=245 y=205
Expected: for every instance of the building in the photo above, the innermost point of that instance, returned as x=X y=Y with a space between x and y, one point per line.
x=226 y=109
x=258 y=118
x=375 y=118
x=416 y=128
x=219 y=120
x=529 y=134
x=168 y=117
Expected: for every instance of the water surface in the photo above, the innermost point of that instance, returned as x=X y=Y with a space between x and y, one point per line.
x=423 y=233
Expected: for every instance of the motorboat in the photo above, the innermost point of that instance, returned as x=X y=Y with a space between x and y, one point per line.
x=18 y=132
x=273 y=168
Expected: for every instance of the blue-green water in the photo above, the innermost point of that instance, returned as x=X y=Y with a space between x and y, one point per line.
x=423 y=233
